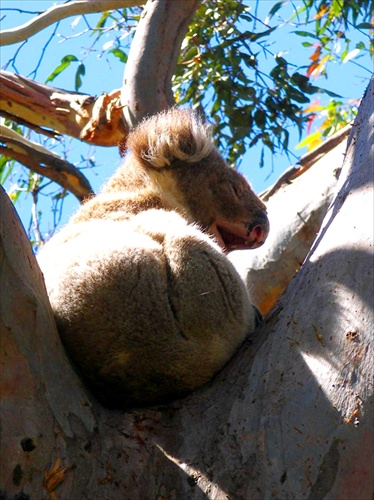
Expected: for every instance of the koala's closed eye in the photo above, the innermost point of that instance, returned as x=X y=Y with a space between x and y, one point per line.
x=238 y=190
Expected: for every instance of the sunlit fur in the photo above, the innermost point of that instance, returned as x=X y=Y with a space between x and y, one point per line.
x=146 y=302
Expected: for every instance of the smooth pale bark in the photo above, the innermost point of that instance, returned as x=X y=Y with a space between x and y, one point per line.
x=151 y=63
x=290 y=417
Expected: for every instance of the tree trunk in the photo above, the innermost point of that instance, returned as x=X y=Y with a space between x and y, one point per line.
x=290 y=417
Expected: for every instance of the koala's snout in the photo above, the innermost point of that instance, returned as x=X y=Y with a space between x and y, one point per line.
x=258 y=229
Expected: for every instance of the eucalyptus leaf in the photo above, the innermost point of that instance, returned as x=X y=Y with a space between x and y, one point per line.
x=65 y=63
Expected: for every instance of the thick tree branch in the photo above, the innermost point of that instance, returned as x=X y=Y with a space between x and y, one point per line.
x=153 y=56
x=44 y=162
x=58 y=12
x=37 y=365
x=292 y=416
x=96 y=120
x=306 y=161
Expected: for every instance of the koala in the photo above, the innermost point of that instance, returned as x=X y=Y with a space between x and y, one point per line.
x=147 y=304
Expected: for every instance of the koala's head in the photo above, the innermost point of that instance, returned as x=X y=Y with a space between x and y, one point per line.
x=177 y=152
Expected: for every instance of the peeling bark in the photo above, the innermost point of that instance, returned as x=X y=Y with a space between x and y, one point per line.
x=96 y=120
x=103 y=121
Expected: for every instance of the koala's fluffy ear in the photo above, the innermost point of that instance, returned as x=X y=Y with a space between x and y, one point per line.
x=177 y=135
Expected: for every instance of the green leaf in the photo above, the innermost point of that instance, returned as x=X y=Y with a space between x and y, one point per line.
x=262 y=157
x=296 y=95
x=286 y=139
x=6 y=167
x=274 y=10
x=345 y=52
x=241 y=132
x=331 y=94
x=305 y=33
x=81 y=71
x=260 y=118
x=255 y=140
x=255 y=36
x=281 y=61
x=309 y=139
x=102 y=21
x=299 y=79
x=300 y=11
x=249 y=60
x=65 y=63
x=364 y=26
x=216 y=106
x=244 y=92
x=335 y=8
x=122 y=56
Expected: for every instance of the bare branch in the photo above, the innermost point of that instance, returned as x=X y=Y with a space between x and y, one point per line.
x=153 y=56
x=34 y=216
x=306 y=161
x=96 y=120
x=20 y=121
x=58 y=12
x=44 y=162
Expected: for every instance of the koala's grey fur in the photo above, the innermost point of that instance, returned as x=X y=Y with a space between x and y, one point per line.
x=146 y=302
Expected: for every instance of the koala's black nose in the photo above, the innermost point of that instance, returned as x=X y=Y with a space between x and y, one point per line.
x=258 y=228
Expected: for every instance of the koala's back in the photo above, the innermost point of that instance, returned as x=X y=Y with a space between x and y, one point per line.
x=148 y=308
x=147 y=305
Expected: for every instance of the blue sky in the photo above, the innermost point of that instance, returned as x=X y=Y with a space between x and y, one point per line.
x=105 y=74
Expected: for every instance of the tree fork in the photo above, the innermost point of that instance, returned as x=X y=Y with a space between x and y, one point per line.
x=289 y=417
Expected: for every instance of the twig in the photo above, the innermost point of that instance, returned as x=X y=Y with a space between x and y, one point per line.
x=34 y=214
